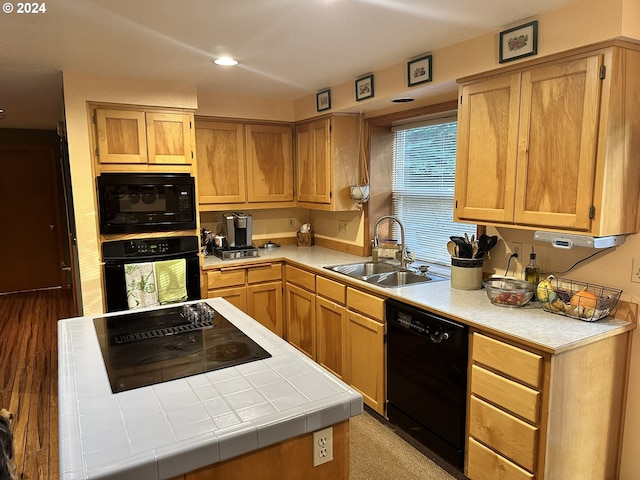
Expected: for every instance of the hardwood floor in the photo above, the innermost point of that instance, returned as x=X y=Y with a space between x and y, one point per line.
x=29 y=376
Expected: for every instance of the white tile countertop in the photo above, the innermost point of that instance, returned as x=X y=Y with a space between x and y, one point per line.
x=178 y=426
x=530 y=324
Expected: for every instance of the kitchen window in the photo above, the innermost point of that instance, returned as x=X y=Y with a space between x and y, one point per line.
x=424 y=163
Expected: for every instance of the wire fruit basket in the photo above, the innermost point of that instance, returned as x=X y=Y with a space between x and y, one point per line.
x=583 y=301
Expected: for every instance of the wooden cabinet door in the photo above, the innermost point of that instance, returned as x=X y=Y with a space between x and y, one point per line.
x=121 y=136
x=169 y=138
x=487 y=150
x=331 y=323
x=559 y=118
x=300 y=319
x=221 y=166
x=269 y=150
x=365 y=359
x=237 y=296
x=264 y=304
x=313 y=161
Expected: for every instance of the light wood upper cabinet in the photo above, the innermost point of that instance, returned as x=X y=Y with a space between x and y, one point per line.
x=221 y=165
x=327 y=152
x=143 y=137
x=244 y=165
x=551 y=145
x=269 y=163
x=169 y=138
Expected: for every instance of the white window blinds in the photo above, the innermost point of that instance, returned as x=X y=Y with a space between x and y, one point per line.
x=423 y=188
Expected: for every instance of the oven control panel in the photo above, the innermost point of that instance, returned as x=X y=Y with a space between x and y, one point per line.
x=149 y=247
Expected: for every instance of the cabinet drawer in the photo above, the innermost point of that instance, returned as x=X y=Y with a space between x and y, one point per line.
x=301 y=278
x=485 y=464
x=225 y=278
x=512 y=396
x=264 y=273
x=512 y=361
x=332 y=290
x=514 y=438
x=365 y=303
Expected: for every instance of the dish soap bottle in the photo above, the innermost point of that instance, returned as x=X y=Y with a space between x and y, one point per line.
x=532 y=271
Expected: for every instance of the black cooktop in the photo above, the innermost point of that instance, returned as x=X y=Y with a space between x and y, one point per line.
x=145 y=348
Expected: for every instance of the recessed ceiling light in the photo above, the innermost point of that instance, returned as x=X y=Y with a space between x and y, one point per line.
x=227 y=61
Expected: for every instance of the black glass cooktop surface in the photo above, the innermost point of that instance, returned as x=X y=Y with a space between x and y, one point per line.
x=145 y=348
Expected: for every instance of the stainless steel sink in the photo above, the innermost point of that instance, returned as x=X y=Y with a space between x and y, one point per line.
x=383 y=274
x=359 y=270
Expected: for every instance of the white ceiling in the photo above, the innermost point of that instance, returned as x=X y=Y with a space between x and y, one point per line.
x=287 y=48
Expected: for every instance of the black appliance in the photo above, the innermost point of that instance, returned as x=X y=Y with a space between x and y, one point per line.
x=118 y=253
x=146 y=202
x=148 y=347
x=427 y=378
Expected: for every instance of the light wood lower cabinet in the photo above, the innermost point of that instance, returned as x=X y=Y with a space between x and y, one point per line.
x=533 y=415
x=331 y=324
x=366 y=359
x=300 y=329
x=255 y=289
x=339 y=327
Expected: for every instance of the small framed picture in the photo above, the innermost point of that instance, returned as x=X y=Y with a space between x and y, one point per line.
x=364 y=88
x=419 y=71
x=518 y=42
x=323 y=100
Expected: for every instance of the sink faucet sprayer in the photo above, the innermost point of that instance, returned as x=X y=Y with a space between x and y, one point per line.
x=405 y=257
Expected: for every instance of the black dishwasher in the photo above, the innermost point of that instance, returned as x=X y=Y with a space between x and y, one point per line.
x=427 y=378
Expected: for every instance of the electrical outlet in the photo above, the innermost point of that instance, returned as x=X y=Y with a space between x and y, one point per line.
x=635 y=270
x=342 y=226
x=517 y=249
x=290 y=220
x=322 y=446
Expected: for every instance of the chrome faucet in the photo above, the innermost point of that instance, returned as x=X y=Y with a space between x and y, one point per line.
x=405 y=258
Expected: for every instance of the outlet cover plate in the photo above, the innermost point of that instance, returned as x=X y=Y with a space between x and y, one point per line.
x=322 y=446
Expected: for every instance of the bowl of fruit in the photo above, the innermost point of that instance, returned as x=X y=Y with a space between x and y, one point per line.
x=508 y=291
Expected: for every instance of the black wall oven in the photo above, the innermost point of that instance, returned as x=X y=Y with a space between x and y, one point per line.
x=146 y=202
x=117 y=254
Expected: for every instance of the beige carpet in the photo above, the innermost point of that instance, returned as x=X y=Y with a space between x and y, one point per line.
x=378 y=453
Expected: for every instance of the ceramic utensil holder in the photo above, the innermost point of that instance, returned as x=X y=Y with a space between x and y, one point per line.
x=466 y=273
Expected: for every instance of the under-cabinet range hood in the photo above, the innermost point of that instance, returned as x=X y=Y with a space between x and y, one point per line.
x=567 y=240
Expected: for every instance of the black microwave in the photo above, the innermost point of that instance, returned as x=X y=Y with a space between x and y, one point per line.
x=146 y=202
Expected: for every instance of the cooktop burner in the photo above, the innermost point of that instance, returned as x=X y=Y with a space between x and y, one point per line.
x=145 y=348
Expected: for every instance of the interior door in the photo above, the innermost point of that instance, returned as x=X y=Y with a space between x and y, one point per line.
x=30 y=245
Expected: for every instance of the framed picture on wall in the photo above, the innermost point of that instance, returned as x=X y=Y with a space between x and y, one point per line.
x=364 y=88
x=419 y=71
x=323 y=100
x=518 y=42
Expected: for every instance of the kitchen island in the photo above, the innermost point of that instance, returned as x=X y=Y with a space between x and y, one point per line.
x=248 y=414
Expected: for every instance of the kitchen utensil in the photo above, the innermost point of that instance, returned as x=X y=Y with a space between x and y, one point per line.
x=451 y=247
x=485 y=243
x=464 y=248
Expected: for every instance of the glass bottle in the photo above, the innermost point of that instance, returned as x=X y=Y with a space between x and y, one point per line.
x=532 y=271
